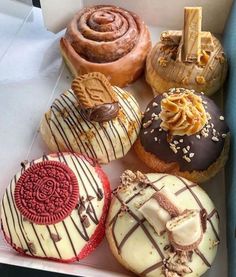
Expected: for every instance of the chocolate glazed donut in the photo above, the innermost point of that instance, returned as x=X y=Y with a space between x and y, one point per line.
x=109 y=40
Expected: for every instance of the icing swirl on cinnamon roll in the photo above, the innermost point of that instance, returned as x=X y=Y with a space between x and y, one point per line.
x=112 y=29
x=105 y=39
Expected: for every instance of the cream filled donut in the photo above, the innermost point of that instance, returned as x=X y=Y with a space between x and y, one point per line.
x=55 y=207
x=162 y=225
x=184 y=133
x=92 y=118
x=106 y=39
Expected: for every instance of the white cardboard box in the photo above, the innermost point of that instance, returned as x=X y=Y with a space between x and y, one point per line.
x=32 y=74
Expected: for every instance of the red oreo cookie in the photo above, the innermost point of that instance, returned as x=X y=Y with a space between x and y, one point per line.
x=47 y=192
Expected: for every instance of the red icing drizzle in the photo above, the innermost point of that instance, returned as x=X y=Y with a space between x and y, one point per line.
x=47 y=192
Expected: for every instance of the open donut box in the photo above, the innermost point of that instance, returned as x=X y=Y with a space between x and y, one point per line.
x=32 y=74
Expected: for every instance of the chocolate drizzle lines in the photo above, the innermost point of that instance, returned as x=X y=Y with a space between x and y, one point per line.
x=185 y=188
x=38 y=239
x=61 y=132
x=14 y=224
x=17 y=221
x=199 y=253
x=50 y=128
x=87 y=123
x=109 y=138
x=125 y=130
x=208 y=219
x=127 y=104
x=151 y=268
x=140 y=223
x=10 y=235
x=69 y=237
x=85 y=235
x=75 y=126
x=78 y=126
x=122 y=146
x=97 y=192
x=54 y=242
x=131 y=231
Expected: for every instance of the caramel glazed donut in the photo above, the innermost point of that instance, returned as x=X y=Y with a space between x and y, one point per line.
x=109 y=40
x=184 y=133
x=165 y=71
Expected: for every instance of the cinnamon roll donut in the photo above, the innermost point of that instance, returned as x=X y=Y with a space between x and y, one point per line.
x=109 y=40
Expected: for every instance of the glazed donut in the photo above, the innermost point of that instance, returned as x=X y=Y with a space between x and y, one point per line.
x=109 y=40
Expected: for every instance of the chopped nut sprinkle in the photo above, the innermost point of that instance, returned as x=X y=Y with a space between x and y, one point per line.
x=173 y=148
x=162 y=61
x=181 y=140
x=147 y=124
x=155 y=138
x=221 y=117
x=172 y=90
x=154 y=104
x=224 y=135
x=204 y=133
x=198 y=136
x=200 y=80
x=191 y=155
x=187 y=159
x=184 y=150
x=215 y=138
x=154 y=114
x=208 y=116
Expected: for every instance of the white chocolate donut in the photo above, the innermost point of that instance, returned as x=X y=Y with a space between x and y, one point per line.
x=132 y=236
x=79 y=232
x=64 y=128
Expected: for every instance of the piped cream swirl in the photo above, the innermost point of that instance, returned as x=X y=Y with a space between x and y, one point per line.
x=182 y=113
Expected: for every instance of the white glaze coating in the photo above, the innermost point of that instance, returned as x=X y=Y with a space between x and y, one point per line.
x=64 y=128
x=137 y=251
x=27 y=236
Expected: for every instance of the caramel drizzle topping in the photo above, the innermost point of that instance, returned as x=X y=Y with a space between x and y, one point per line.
x=193 y=45
x=182 y=114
